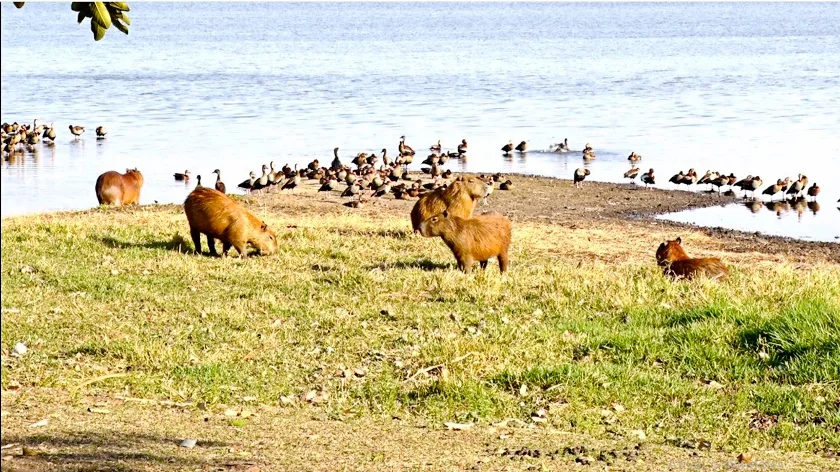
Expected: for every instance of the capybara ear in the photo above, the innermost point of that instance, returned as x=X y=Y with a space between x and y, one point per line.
x=662 y=246
x=264 y=226
x=679 y=240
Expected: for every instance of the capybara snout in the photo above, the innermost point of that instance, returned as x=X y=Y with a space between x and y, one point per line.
x=218 y=216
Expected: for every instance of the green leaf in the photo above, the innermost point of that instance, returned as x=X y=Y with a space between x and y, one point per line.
x=101 y=14
x=122 y=6
x=19 y=4
x=120 y=26
x=81 y=17
x=98 y=31
x=78 y=6
x=125 y=19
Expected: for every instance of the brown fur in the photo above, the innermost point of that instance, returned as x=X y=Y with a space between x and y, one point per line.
x=218 y=216
x=113 y=188
x=472 y=239
x=676 y=262
x=458 y=198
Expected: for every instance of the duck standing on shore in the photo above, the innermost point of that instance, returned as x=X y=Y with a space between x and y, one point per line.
x=648 y=178
x=632 y=174
x=580 y=174
x=220 y=186
x=248 y=183
x=405 y=149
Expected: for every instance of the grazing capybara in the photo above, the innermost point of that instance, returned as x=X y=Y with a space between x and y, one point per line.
x=218 y=216
x=113 y=188
x=677 y=264
x=472 y=239
x=458 y=198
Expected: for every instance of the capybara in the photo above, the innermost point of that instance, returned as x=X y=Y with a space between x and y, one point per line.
x=472 y=239
x=218 y=216
x=676 y=262
x=458 y=198
x=113 y=188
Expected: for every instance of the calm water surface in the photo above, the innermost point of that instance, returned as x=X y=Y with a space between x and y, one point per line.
x=743 y=88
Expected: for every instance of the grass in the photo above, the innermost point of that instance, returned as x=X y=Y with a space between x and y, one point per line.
x=584 y=320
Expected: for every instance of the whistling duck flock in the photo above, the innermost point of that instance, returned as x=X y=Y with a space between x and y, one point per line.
x=374 y=175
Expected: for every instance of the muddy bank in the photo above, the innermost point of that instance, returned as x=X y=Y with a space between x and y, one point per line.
x=555 y=201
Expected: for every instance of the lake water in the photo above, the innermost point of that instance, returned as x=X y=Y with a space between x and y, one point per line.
x=743 y=88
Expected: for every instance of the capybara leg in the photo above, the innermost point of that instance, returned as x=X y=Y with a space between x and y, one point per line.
x=225 y=248
x=483 y=264
x=212 y=243
x=467 y=264
x=243 y=249
x=196 y=237
x=503 y=262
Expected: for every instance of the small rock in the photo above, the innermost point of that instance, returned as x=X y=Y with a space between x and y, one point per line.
x=27 y=269
x=745 y=457
x=638 y=434
x=359 y=372
x=20 y=349
x=286 y=400
x=231 y=412
x=101 y=411
x=39 y=424
x=276 y=323
x=188 y=443
x=585 y=460
x=538 y=312
x=618 y=408
x=458 y=426
x=115 y=272
x=245 y=413
x=714 y=385
x=523 y=390
x=704 y=445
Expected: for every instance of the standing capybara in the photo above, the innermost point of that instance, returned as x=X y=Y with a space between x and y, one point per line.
x=458 y=198
x=472 y=239
x=218 y=216
x=113 y=188
x=676 y=262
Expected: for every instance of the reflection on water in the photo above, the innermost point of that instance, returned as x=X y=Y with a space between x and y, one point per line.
x=796 y=218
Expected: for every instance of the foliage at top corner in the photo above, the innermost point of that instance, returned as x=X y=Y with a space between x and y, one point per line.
x=102 y=15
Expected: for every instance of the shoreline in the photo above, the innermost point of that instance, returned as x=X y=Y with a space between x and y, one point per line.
x=584 y=207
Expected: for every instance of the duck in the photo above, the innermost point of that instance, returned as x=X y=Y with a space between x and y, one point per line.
x=719 y=182
x=648 y=178
x=522 y=146
x=314 y=165
x=579 y=175
x=385 y=158
x=272 y=174
x=197 y=181
x=248 y=183
x=405 y=149
x=753 y=185
x=220 y=186
x=632 y=174
x=507 y=148
x=101 y=132
x=329 y=185
x=436 y=147
x=813 y=191
x=462 y=148
x=562 y=147
x=689 y=178
x=676 y=178
x=352 y=189
x=49 y=133
x=742 y=184
x=506 y=185
x=179 y=176
x=292 y=183
x=336 y=162
x=708 y=177
x=262 y=182
x=633 y=157
x=77 y=130
x=779 y=186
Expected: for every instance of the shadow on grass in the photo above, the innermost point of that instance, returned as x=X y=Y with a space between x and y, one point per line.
x=177 y=243
x=425 y=264
x=107 y=450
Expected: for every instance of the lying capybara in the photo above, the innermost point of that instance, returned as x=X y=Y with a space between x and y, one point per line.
x=676 y=262
x=218 y=216
x=472 y=239
x=113 y=188
x=458 y=198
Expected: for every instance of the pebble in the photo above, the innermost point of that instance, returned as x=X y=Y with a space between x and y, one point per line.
x=188 y=443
